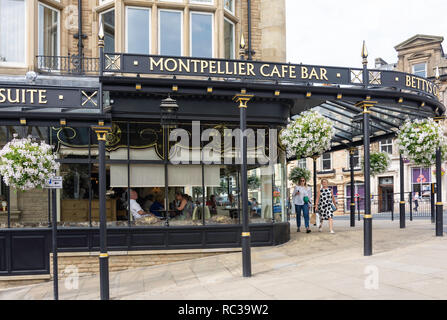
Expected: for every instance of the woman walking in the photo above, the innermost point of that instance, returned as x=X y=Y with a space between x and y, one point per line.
x=302 y=196
x=325 y=204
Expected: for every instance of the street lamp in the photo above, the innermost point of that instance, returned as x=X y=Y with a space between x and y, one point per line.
x=168 y=119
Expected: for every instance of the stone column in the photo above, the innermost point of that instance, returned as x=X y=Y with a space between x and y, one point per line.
x=273 y=31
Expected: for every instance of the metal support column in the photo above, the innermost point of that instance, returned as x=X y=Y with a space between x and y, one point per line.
x=54 y=243
x=402 y=194
x=314 y=158
x=352 y=187
x=243 y=99
x=439 y=206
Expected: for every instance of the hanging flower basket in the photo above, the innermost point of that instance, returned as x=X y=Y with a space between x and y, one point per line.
x=297 y=173
x=379 y=162
x=26 y=164
x=309 y=134
x=418 y=141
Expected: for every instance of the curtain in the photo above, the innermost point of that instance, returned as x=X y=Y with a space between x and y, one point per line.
x=12 y=31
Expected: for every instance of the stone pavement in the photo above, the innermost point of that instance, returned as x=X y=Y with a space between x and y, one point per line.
x=407 y=264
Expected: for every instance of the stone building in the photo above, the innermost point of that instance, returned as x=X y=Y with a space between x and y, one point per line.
x=55 y=42
x=422 y=55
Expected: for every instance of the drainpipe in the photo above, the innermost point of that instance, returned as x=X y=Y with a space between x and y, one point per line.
x=80 y=36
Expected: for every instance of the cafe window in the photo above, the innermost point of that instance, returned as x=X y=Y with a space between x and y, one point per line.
x=326 y=161
x=421 y=180
x=229 y=39
x=48 y=31
x=420 y=69
x=138 y=30
x=229 y=5
x=386 y=145
x=12 y=31
x=170 y=32
x=108 y=20
x=202 y=34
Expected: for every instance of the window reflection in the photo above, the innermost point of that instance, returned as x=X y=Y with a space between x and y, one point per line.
x=170 y=33
x=108 y=20
x=201 y=35
x=138 y=30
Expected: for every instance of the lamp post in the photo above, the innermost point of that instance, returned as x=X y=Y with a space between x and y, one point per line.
x=314 y=158
x=168 y=118
x=402 y=194
x=439 y=206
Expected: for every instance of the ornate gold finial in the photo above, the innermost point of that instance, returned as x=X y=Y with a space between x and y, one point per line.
x=242 y=99
x=101 y=35
x=242 y=43
x=437 y=74
x=364 y=53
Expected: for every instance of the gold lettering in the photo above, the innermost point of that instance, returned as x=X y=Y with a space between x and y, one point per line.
x=284 y=70
x=31 y=94
x=2 y=95
x=413 y=82
x=292 y=72
x=275 y=71
x=195 y=63
x=158 y=64
x=262 y=70
x=313 y=73
x=212 y=67
x=23 y=96
x=304 y=73
x=250 y=68
x=184 y=66
x=174 y=62
x=323 y=74
x=203 y=65
x=42 y=97
x=241 y=69
x=219 y=70
x=408 y=81
x=227 y=70
x=16 y=99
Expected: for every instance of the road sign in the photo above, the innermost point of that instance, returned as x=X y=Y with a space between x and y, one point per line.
x=54 y=183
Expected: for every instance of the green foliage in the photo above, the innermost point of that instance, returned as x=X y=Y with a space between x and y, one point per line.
x=253 y=182
x=379 y=162
x=297 y=173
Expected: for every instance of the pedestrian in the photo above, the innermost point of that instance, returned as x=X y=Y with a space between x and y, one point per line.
x=416 y=201
x=325 y=204
x=302 y=198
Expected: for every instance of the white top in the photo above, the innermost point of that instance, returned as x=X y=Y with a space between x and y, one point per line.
x=304 y=191
x=135 y=208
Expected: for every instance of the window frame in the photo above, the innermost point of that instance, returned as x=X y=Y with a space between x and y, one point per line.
x=126 y=27
x=23 y=64
x=232 y=7
x=114 y=27
x=234 y=37
x=381 y=144
x=194 y=2
x=322 y=161
x=58 y=27
x=300 y=163
x=417 y=64
x=356 y=166
x=182 y=41
x=212 y=32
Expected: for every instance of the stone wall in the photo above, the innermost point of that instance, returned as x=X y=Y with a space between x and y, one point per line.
x=33 y=206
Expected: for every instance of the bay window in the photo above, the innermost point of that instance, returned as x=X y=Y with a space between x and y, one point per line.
x=108 y=20
x=229 y=39
x=48 y=31
x=202 y=34
x=12 y=32
x=138 y=30
x=170 y=32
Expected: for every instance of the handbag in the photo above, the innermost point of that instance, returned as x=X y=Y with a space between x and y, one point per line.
x=306 y=199
x=333 y=207
x=313 y=218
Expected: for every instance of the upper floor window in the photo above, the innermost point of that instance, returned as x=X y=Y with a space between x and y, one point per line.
x=229 y=5
x=356 y=158
x=12 y=32
x=48 y=31
x=138 y=30
x=420 y=70
x=170 y=32
x=108 y=20
x=202 y=34
x=386 y=145
x=201 y=1
x=302 y=163
x=326 y=161
x=229 y=39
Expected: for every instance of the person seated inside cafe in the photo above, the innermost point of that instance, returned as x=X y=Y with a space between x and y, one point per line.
x=148 y=201
x=183 y=204
x=157 y=208
x=135 y=208
x=212 y=204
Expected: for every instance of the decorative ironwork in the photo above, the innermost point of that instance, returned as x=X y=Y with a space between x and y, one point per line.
x=357 y=76
x=87 y=99
x=375 y=77
x=71 y=64
x=113 y=61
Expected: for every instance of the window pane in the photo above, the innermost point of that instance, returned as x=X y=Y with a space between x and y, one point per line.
x=229 y=39
x=48 y=31
x=229 y=5
x=12 y=31
x=138 y=30
x=419 y=69
x=201 y=35
x=170 y=33
x=108 y=20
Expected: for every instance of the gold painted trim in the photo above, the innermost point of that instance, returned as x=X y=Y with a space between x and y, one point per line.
x=308 y=94
x=368 y=216
x=103 y=255
x=209 y=89
x=174 y=88
x=402 y=202
x=23 y=121
x=339 y=96
x=63 y=122
x=138 y=86
x=242 y=99
x=277 y=92
x=352 y=204
x=245 y=234
x=439 y=203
